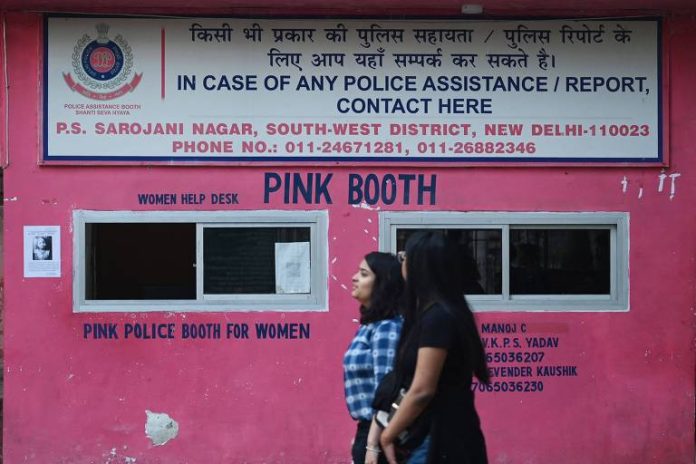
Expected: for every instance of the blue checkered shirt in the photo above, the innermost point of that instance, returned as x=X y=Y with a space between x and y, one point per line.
x=369 y=357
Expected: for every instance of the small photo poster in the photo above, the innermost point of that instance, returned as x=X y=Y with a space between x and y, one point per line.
x=41 y=251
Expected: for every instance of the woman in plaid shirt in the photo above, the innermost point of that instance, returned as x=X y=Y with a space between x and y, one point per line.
x=377 y=286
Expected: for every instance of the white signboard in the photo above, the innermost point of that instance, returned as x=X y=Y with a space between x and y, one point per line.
x=41 y=251
x=307 y=90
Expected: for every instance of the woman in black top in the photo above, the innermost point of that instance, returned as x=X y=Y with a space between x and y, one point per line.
x=440 y=351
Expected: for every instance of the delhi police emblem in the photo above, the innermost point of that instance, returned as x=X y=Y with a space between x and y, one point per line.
x=103 y=67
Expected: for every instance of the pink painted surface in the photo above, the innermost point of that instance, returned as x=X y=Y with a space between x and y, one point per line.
x=70 y=400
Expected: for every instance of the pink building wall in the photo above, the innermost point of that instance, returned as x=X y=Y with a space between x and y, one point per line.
x=72 y=400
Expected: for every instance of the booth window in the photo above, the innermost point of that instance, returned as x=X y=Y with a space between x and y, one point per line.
x=206 y=261
x=140 y=261
x=530 y=261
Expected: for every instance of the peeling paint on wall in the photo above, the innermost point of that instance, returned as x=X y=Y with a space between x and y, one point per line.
x=364 y=205
x=112 y=457
x=160 y=428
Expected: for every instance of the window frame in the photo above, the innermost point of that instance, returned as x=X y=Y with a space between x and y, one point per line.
x=616 y=222
x=316 y=300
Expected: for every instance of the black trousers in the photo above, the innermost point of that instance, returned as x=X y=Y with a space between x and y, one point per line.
x=360 y=443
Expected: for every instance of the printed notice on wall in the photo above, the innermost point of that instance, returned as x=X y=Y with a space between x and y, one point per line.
x=347 y=90
x=526 y=357
x=41 y=251
x=292 y=267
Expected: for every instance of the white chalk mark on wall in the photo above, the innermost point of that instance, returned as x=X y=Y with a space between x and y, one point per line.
x=160 y=428
x=661 y=178
x=673 y=187
x=661 y=184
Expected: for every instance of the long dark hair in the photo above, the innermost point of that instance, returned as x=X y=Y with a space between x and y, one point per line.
x=387 y=289
x=437 y=272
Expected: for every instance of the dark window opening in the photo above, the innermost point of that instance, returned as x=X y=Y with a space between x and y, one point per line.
x=139 y=261
x=242 y=260
x=559 y=261
x=542 y=261
x=482 y=246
